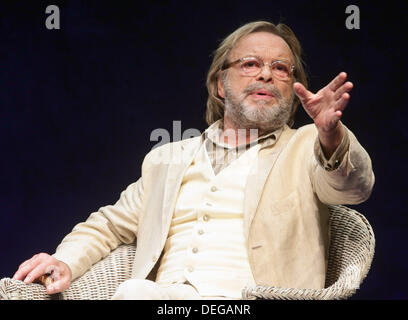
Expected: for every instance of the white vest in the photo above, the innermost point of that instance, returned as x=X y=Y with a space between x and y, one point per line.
x=206 y=244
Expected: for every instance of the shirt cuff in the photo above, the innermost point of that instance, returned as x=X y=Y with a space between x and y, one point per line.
x=337 y=157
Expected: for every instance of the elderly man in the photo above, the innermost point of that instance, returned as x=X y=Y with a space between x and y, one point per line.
x=244 y=203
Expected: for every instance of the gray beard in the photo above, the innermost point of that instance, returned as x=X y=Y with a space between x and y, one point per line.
x=264 y=118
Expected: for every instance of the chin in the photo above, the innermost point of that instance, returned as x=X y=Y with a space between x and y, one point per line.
x=268 y=102
x=261 y=105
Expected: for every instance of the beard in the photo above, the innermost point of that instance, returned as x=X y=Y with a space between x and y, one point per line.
x=266 y=118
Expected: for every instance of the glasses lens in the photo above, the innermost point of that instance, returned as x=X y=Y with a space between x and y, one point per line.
x=251 y=66
x=281 y=70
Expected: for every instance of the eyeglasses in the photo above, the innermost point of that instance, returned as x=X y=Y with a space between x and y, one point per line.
x=252 y=66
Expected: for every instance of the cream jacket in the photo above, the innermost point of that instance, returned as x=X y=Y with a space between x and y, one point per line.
x=285 y=211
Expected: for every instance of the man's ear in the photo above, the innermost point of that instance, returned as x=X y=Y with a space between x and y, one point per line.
x=220 y=86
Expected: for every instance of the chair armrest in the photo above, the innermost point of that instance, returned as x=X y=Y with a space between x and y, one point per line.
x=11 y=289
x=345 y=286
x=334 y=292
x=98 y=283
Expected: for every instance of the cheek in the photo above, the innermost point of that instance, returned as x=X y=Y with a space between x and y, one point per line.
x=237 y=86
x=286 y=91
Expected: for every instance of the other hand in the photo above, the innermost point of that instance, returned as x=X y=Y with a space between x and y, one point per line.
x=42 y=264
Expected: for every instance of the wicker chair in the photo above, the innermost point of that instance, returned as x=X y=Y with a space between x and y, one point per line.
x=350 y=256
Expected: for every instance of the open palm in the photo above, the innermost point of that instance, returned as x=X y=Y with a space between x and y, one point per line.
x=326 y=106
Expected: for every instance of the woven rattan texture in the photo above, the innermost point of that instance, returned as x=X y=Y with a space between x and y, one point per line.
x=350 y=255
x=98 y=283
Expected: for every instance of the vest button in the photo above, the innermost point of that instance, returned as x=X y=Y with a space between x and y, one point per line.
x=201 y=231
x=206 y=217
x=213 y=188
x=190 y=269
x=195 y=250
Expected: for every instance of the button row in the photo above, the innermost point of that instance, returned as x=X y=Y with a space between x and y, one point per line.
x=206 y=217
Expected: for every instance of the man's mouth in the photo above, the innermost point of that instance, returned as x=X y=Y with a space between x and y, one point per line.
x=262 y=94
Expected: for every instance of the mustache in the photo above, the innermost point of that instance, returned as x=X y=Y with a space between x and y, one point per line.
x=258 y=86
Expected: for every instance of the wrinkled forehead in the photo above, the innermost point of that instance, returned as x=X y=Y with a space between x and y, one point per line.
x=266 y=45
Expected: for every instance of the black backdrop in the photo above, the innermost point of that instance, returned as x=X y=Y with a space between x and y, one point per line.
x=78 y=106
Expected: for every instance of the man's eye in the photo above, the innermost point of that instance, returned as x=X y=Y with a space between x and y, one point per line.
x=251 y=64
x=281 y=67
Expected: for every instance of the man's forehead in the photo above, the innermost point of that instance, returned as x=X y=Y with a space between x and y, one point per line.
x=262 y=44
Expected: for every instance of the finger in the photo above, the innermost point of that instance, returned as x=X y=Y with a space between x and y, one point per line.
x=51 y=274
x=55 y=280
x=36 y=272
x=33 y=258
x=55 y=272
x=338 y=81
x=337 y=116
x=28 y=261
x=26 y=267
x=302 y=92
x=58 y=286
x=342 y=103
x=343 y=89
x=331 y=120
x=53 y=288
x=60 y=280
x=335 y=119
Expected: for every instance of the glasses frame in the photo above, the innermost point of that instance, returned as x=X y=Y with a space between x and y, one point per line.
x=230 y=64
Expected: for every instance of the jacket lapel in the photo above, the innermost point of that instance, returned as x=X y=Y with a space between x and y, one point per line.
x=181 y=159
x=258 y=176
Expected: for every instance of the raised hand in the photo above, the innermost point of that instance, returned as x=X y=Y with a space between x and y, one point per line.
x=41 y=264
x=327 y=105
x=326 y=108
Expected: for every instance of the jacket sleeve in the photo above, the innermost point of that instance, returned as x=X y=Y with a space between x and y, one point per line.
x=348 y=179
x=102 y=232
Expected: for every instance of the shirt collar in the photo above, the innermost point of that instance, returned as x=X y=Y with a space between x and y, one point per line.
x=213 y=133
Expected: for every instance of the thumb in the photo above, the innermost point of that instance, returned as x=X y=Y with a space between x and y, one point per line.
x=301 y=92
x=57 y=286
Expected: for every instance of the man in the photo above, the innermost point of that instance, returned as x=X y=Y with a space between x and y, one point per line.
x=246 y=202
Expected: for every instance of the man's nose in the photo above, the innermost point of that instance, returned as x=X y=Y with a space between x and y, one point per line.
x=265 y=74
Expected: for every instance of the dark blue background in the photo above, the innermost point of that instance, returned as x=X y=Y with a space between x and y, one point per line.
x=78 y=106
